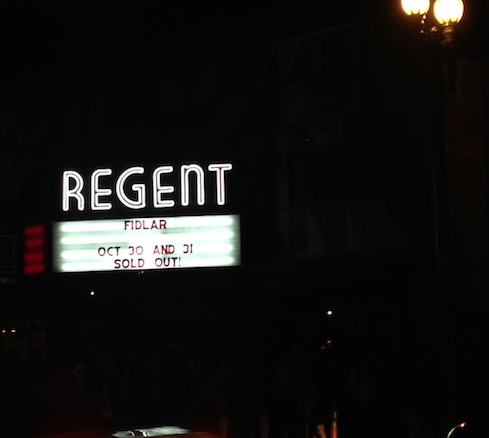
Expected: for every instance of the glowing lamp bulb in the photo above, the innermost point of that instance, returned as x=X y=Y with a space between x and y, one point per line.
x=415 y=7
x=448 y=12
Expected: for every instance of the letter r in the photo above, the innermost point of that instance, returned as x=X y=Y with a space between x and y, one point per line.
x=74 y=192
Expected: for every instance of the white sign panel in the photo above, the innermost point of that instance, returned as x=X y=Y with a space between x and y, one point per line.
x=146 y=243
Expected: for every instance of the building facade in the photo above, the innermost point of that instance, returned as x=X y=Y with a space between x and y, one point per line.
x=331 y=190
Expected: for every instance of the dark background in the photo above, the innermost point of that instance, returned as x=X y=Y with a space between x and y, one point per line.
x=324 y=111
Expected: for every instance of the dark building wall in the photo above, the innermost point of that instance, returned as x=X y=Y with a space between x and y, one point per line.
x=298 y=109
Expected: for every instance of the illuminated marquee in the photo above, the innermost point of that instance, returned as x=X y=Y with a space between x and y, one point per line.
x=73 y=186
x=146 y=243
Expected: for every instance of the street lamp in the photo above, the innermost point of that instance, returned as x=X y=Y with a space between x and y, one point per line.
x=416 y=7
x=446 y=12
x=440 y=17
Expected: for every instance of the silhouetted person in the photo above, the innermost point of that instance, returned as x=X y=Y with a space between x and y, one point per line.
x=291 y=391
x=136 y=387
x=224 y=382
x=98 y=380
x=204 y=414
x=363 y=396
x=67 y=395
x=175 y=388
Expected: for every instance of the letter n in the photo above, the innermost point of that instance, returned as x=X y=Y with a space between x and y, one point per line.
x=185 y=171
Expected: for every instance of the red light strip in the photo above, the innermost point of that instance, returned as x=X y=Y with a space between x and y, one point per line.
x=34 y=229
x=34 y=245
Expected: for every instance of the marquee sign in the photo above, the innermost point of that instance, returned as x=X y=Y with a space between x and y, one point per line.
x=146 y=243
x=135 y=198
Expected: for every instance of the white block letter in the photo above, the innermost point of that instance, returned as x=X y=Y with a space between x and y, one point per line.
x=97 y=191
x=158 y=189
x=220 y=183
x=75 y=192
x=140 y=189
x=184 y=172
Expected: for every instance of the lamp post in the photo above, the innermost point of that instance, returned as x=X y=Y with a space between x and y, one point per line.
x=444 y=15
x=440 y=18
